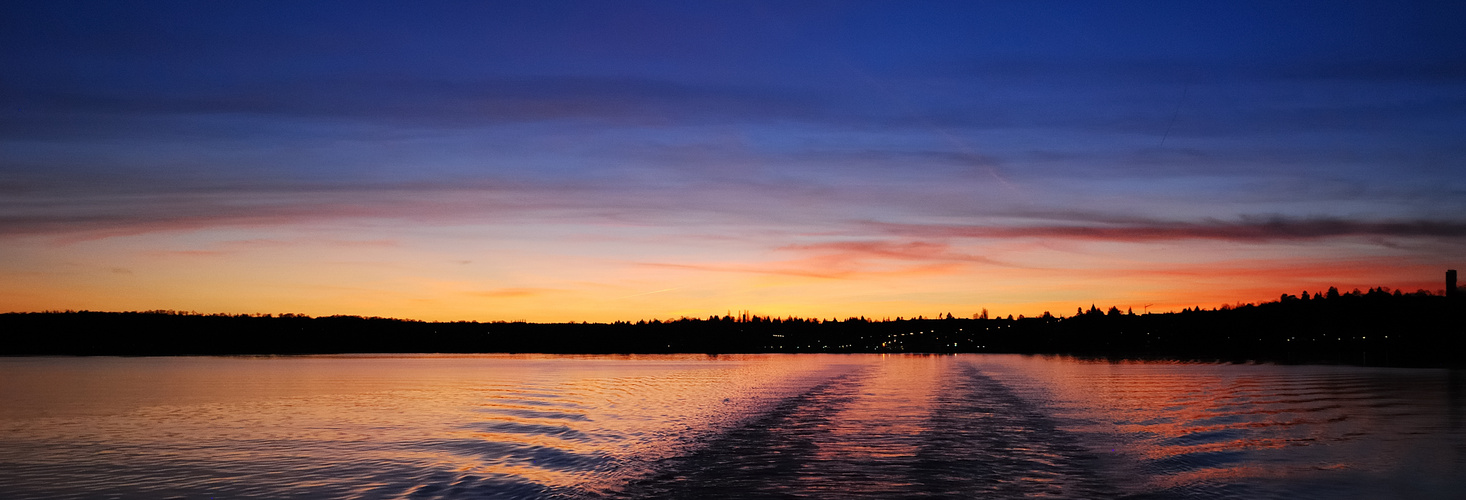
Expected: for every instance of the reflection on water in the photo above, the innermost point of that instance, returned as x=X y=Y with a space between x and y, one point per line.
x=897 y=427
x=1258 y=431
x=699 y=426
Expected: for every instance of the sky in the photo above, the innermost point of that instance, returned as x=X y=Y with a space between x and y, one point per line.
x=598 y=161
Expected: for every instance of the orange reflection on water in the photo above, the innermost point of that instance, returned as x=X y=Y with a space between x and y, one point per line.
x=960 y=426
x=1184 y=425
x=349 y=425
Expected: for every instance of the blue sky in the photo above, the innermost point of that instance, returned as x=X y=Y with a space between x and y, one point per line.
x=895 y=155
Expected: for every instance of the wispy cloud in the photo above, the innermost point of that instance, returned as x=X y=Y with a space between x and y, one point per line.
x=1247 y=229
x=760 y=142
x=664 y=290
x=840 y=252
x=514 y=293
x=778 y=269
x=850 y=260
x=107 y=214
x=45 y=110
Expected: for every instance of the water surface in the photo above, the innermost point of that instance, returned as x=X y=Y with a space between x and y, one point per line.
x=769 y=426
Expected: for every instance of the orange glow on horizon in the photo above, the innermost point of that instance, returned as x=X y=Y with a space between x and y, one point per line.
x=504 y=274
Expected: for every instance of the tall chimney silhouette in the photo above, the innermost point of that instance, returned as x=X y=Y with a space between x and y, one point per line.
x=1450 y=282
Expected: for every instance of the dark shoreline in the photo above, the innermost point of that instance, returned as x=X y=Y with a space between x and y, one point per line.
x=1367 y=329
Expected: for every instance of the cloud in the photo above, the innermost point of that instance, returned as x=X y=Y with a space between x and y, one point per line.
x=514 y=293
x=779 y=269
x=850 y=260
x=1449 y=71
x=1133 y=69
x=38 y=110
x=1137 y=229
x=842 y=252
x=191 y=253
x=100 y=218
x=127 y=211
x=90 y=209
x=1124 y=97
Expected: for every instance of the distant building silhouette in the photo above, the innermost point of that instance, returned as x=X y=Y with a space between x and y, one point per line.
x=1450 y=282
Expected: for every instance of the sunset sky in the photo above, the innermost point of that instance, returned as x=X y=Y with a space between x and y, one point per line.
x=601 y=161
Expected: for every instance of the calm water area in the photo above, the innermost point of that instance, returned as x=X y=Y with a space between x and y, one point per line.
x=741 y=426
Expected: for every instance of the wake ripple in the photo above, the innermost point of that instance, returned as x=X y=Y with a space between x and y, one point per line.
x=911 y=429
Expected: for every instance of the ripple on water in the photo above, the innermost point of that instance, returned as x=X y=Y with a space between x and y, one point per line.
x=695 y=426
x=898 y=428
x=1257 y=431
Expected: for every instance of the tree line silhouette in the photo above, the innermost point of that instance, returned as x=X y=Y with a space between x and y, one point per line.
x=1376 y=327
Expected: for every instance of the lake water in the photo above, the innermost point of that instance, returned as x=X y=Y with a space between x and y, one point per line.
x=754 y=426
